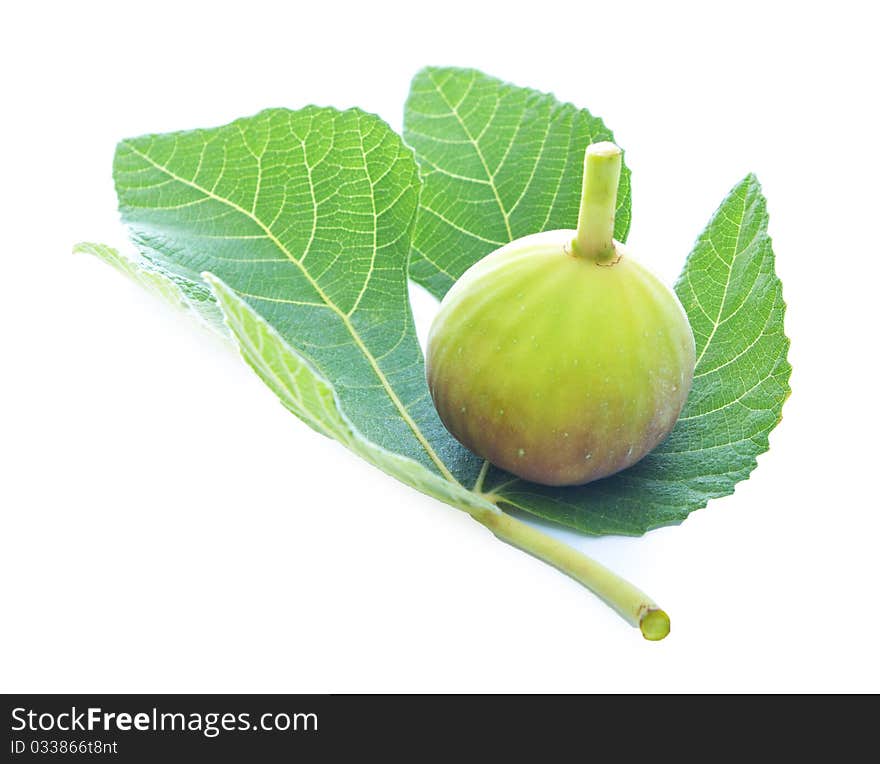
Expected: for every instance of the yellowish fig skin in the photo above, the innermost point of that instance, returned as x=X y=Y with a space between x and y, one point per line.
x=556 y=368
x=560 y=368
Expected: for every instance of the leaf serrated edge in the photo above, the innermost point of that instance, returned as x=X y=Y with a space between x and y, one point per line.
x=782 y=363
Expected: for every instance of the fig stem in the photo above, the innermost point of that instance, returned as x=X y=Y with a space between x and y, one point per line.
x=632 y=604
x=595 y=228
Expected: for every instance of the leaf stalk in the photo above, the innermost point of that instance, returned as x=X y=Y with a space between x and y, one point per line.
x=633 y=605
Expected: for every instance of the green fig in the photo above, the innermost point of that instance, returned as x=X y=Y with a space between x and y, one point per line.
x=558 y=357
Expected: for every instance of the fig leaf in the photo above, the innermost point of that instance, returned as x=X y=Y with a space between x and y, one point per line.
x=296 y=226
x=307 y=216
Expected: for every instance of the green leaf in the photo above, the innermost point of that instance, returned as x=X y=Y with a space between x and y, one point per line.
x=307 y=216
x=733 y=299
x=305 y=220
x=498 y=162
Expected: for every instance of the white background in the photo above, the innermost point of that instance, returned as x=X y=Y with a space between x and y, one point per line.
x=167 y=526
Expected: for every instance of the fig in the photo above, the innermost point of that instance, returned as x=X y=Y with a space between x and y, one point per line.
x=559 y=357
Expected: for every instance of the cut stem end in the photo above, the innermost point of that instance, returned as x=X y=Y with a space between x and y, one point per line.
x=655 y=625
